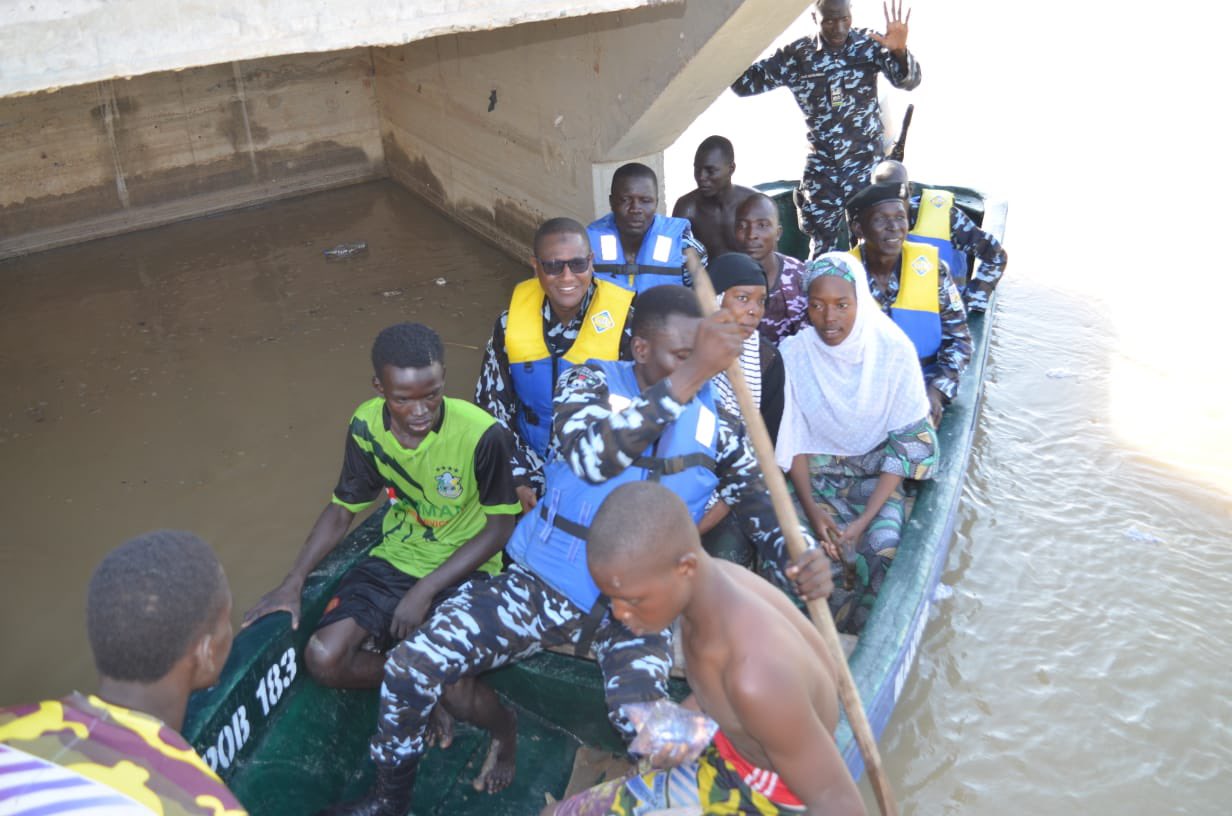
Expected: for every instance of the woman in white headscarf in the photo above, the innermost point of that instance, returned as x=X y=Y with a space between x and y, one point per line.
x=855 y=425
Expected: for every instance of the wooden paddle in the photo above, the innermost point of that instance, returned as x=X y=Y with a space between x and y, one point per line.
x=789 y=523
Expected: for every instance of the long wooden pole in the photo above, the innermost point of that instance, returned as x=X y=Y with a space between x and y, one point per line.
x=789 y=523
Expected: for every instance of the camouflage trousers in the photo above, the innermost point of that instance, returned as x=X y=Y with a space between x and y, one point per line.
x=488 y=624
x=824 y=189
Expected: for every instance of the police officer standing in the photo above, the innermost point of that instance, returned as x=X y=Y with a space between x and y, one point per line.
x=834 y=79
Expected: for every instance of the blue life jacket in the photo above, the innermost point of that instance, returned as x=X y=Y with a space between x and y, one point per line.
x=535 y=371
x=932 y=226
x=659 y=260
x=917 y=310
x=551 y=539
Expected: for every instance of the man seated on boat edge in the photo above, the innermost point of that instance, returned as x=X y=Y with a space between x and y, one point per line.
x=755 y=665
x=711 y=207
x=758 y=231
x=903 y=277
x=947 y=227
x=158 y=616
x=444 y=463
x=833 y=77
x=634 y=246
x=608 y=416
x=555 y=320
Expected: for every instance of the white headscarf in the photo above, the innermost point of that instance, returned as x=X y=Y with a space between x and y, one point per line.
x=844 y=400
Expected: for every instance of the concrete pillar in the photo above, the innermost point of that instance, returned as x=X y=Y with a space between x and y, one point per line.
x=502 y=129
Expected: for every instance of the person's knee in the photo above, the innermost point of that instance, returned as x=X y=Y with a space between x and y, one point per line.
x=323 y=660
x=459 y=699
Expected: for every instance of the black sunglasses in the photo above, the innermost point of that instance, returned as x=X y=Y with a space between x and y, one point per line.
x=576 y=265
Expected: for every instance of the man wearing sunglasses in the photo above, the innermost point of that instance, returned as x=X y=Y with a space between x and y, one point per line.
x=555 y=320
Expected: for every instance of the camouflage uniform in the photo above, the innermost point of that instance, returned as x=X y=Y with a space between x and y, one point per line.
x=787 y=303
x=846 y=483
x=516 y=614
x=494 y=391
x=968 y=238
x=81 y=754
x=837 y=91
x=943 y=372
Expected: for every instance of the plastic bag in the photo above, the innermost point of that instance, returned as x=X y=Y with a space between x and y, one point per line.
x=666 y=728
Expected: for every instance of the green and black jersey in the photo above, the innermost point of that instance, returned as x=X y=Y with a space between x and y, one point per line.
x=443 y=491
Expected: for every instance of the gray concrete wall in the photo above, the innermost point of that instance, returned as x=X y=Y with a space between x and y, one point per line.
x=503 y=128
x=112 y=156
x=47 y=44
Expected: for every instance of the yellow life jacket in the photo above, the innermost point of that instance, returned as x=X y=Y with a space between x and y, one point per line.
x=917 y=309
x=532 y=367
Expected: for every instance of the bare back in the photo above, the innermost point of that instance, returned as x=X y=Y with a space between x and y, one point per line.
x=713 y=219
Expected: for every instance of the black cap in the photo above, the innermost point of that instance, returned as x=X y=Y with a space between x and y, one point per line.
x=875 y=194
x=735 y=269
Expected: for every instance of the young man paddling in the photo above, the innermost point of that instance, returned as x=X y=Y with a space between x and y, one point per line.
x=445 y=463
x=158 y=615
x=754 y=662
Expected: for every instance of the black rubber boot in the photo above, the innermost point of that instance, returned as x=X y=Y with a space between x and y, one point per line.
x=389 y=796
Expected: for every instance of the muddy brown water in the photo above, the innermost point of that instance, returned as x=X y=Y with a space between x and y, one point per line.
x=201 y=376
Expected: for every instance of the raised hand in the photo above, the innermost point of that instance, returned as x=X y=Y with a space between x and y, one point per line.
x=895 y=37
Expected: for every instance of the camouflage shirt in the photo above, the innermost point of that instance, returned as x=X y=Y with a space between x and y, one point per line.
x=81 y=754
x=786 y=303
x=969 y=238
x=836 y=89
x=598 y=443
x=955 y=351
x=495 y=394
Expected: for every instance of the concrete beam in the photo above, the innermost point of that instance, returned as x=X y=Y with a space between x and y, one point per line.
x=48 y=44
x=502 y=129
x=110 y=157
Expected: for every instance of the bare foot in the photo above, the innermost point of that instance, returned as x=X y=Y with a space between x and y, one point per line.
x=440 y=727
x=498 y=765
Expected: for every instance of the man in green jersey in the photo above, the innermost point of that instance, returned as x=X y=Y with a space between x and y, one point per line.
x=444 y=464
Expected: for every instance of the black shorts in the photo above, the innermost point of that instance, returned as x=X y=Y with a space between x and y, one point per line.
x=371 y=591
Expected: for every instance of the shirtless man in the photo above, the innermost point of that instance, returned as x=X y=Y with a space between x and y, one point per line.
x=711 y=208
x=755 y=664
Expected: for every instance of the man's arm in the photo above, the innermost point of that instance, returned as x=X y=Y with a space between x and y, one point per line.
x=498 y=498
x=772 y=72
x=358 y=486
x=686 y=207
x=969 y=238
x=494 y=393
x=955 y=351
x=894 y=60
x=598 y=439
x=774 y=707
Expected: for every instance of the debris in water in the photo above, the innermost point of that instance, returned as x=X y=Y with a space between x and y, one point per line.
x=440 y=281
x=346 y=250
x=1059 y=374
x=1145 y=536
x=391 y=293
x=943 y=592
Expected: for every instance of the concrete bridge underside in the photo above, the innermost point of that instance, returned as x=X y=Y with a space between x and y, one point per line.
x=499 y=127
